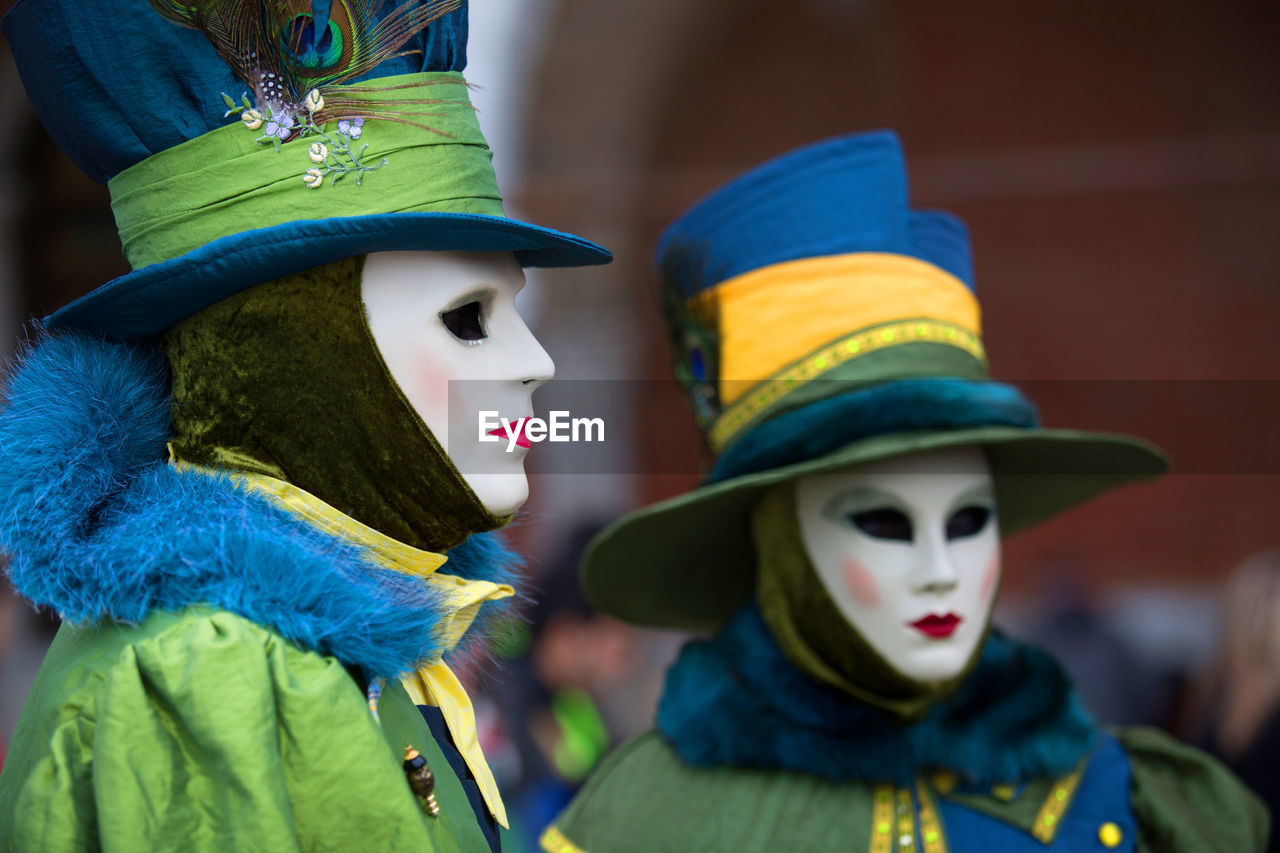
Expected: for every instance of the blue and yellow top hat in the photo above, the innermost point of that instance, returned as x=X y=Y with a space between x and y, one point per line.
x=819 y=322
x=245 y=141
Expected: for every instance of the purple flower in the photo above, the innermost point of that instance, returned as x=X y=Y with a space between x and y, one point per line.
x=351 y=127
x=280 y=124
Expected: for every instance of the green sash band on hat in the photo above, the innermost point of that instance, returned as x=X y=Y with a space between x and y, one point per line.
x=225 y=182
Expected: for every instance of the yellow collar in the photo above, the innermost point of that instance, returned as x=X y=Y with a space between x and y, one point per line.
x=433 y=683
x=461 y=598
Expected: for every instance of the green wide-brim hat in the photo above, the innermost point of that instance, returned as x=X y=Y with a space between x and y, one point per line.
x=688 y=563
x=210 y=196
x=819 y=322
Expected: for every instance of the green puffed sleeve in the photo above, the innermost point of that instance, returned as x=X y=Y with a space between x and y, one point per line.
x=202 y=731
x=1185 y=800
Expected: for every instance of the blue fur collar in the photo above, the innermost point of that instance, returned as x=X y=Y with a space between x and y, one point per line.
x=99 y=526
x=737 y=700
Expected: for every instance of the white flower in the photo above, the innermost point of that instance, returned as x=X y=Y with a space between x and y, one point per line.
x=318 y=152
x=314 y=101
x=313 y=178
x=252 y=119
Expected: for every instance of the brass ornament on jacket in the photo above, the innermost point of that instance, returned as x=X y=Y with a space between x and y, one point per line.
x=421 y=780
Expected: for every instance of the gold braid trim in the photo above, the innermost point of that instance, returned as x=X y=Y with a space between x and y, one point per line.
x=739 y=414
x=1055 y=806
x=882 y=820
x=930 y=824
x=906 y=822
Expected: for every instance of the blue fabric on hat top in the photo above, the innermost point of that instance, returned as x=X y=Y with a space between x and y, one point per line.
x=115 y=82
x=839 y=196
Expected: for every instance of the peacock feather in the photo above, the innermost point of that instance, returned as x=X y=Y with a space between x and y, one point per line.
x=285 y=49
x=693 y=326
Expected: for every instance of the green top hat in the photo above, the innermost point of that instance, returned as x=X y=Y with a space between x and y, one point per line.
x=818 y=322
x=245 y=141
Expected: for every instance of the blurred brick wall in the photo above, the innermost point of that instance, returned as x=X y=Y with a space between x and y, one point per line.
x=1118 y=165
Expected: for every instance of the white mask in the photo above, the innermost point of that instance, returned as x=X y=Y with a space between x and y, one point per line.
x=909 y=551
x=447 y=327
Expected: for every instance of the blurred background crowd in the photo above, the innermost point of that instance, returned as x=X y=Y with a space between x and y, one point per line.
x=1119 y=167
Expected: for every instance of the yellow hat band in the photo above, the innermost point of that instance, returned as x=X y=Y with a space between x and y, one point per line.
x=784 y=325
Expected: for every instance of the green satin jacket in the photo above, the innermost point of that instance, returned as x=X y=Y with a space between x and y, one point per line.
x=201 y=731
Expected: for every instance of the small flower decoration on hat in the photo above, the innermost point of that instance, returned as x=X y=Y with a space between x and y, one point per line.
x=279 y=128
x=334 y=152
x=351 y=127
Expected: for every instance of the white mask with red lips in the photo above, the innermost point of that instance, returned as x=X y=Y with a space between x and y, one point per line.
x=448 y=330
x=908 y=548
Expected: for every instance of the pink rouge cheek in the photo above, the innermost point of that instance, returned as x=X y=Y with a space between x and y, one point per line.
x=433 y=389
x=990 y=576
x=860 y=583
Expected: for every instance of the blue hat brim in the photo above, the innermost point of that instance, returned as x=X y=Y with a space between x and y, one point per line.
x=146 y=302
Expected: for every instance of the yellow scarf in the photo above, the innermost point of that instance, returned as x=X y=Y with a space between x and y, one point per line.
x=434 y=683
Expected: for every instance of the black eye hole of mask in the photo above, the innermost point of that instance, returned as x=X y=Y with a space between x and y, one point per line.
x=883 y=523
x=465 y=322
x=968 y=521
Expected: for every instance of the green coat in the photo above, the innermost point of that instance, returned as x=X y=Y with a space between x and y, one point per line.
x=202 y=731
x=646 y=799
x=208 y=702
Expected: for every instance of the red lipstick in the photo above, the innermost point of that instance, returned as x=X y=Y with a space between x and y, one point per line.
x=937 y=626
x=517 y=428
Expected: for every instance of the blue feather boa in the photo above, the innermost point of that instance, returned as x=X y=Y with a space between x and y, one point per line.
x=737 y=700
x=100 y=527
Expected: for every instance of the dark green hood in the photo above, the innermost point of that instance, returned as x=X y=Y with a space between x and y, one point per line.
x=285 y=379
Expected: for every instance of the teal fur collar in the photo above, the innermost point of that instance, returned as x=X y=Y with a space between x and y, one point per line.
x=737 y=700
x=99 y=526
